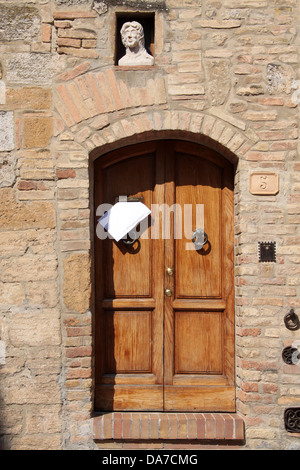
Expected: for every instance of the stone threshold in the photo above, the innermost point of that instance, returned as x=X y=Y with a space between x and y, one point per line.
x=168 y=426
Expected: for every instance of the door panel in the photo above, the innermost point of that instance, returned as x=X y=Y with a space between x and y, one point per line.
x=198 y=183
x=129 y=301
x=158 y=352
x=133 y=177
x=196 y=350
x=132 y=351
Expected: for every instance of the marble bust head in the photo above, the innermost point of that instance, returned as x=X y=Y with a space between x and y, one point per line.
x=132 y=35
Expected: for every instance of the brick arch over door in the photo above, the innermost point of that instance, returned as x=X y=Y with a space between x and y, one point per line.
x=98 y=108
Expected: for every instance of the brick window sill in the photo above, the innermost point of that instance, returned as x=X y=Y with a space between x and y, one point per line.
x=168 y=426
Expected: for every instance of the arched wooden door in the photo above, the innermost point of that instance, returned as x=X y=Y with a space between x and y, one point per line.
x=165 y=311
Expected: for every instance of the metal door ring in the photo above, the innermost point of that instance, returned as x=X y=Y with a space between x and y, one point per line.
x=133 y=236
x=199 y=238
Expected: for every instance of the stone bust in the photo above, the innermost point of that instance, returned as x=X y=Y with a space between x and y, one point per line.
x=132 y=35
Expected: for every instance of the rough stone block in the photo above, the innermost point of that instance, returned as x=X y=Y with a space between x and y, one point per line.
x=2 y=353
x=18 y=22
x=29 y=268
x=37 y=130
x=35 y=329
x=31 y=68
x=6 y=131
x=77 y=282
x=7 y=170
x=34 y=98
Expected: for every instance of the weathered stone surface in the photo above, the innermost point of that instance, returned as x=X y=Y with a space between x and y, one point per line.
x=18 y=22
x=25 y=388
x=11 y=294
x=218 y=80
x=42 y=294
x=77 y=282
x=280 y=78
x=28 y=98
x=37 y=130
x=15 y=215
x=35 y=329
x=43 y=420
x=7 y=170
x=6 y=131
x=28 y=268
x=31 y=69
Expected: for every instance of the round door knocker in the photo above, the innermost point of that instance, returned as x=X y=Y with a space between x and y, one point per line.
x=132 y=237
x=199 y=238
x=291 y=321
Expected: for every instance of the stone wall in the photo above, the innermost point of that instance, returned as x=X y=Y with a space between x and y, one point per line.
x=226 y=75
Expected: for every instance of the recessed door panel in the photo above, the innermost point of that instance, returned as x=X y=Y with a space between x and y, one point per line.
x=128 y=342
x=197 y=350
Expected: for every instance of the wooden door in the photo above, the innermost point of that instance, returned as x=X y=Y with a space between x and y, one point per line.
x=156 y=351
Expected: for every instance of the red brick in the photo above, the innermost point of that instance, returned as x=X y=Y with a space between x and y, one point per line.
x=69 y=42
x=107 y=432
x=92 y=84
x=69 y=103
x=210 y=428
x=191 y=426
x=62 y=24
x=89 y=43
x=239 y=428
x=79 y=374
x=136 y=426
x=270 y=388
x=127 y=424
x=78 y=331
x=46 y=33
x=145 y=426
x=117 y=425
x=219 y=425
x=229 y=425
x=164 y=426
x=200 y=426
x=154 y=431
x=80 y=351
x=27 y=185
x=106 y=92
x=64 y=174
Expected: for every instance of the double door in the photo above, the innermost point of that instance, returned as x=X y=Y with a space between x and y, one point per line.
x=164 y=326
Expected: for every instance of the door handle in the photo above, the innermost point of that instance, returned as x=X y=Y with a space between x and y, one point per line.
x=132 y=237
x=199 y=238
x=168 y=292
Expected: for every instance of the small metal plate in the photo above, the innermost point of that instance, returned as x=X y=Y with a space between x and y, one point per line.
x=267 y=252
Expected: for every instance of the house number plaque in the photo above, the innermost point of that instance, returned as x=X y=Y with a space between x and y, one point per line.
x=262 y=183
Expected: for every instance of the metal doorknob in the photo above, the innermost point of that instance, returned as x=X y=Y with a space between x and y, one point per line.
x=170 y=271
x=168 y=292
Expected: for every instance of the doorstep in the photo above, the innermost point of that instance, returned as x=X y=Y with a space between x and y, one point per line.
x=168 y=426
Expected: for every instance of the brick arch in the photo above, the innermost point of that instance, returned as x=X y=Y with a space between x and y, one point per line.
x=197 y=127
x=101 y=108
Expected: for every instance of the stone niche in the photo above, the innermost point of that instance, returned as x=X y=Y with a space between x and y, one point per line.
x=147 y=21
